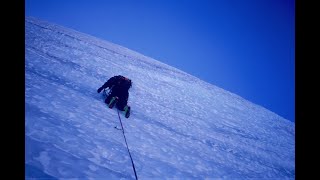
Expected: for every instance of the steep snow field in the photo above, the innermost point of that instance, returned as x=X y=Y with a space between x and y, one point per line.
x=180 y=126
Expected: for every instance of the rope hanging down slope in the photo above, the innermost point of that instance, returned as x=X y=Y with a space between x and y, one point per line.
x=125 y=139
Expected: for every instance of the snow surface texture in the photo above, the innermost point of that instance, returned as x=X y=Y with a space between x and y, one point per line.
x=180 y=126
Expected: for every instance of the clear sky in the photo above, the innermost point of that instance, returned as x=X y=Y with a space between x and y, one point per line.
x=244 y=46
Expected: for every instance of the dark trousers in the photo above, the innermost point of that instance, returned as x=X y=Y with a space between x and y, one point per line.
x=122 y=100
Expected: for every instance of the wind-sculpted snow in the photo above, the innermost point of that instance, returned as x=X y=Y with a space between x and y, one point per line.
x=180 y=126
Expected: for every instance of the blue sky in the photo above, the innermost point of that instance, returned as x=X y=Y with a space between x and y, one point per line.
x=244 y=46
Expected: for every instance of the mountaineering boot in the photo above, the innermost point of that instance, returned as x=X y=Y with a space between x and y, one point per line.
x=127 y=111
x=112 y=102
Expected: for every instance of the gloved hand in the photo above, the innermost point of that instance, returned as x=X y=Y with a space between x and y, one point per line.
x=99 y=90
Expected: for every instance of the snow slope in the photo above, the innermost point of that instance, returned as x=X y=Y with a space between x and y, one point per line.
x=180 y=127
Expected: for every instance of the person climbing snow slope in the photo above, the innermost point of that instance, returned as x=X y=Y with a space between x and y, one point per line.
x=119 y=93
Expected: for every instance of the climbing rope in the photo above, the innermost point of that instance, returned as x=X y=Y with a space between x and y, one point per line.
x=106 y=94
x=125 y=139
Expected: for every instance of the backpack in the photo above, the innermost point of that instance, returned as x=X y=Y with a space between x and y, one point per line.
x=124 y=82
